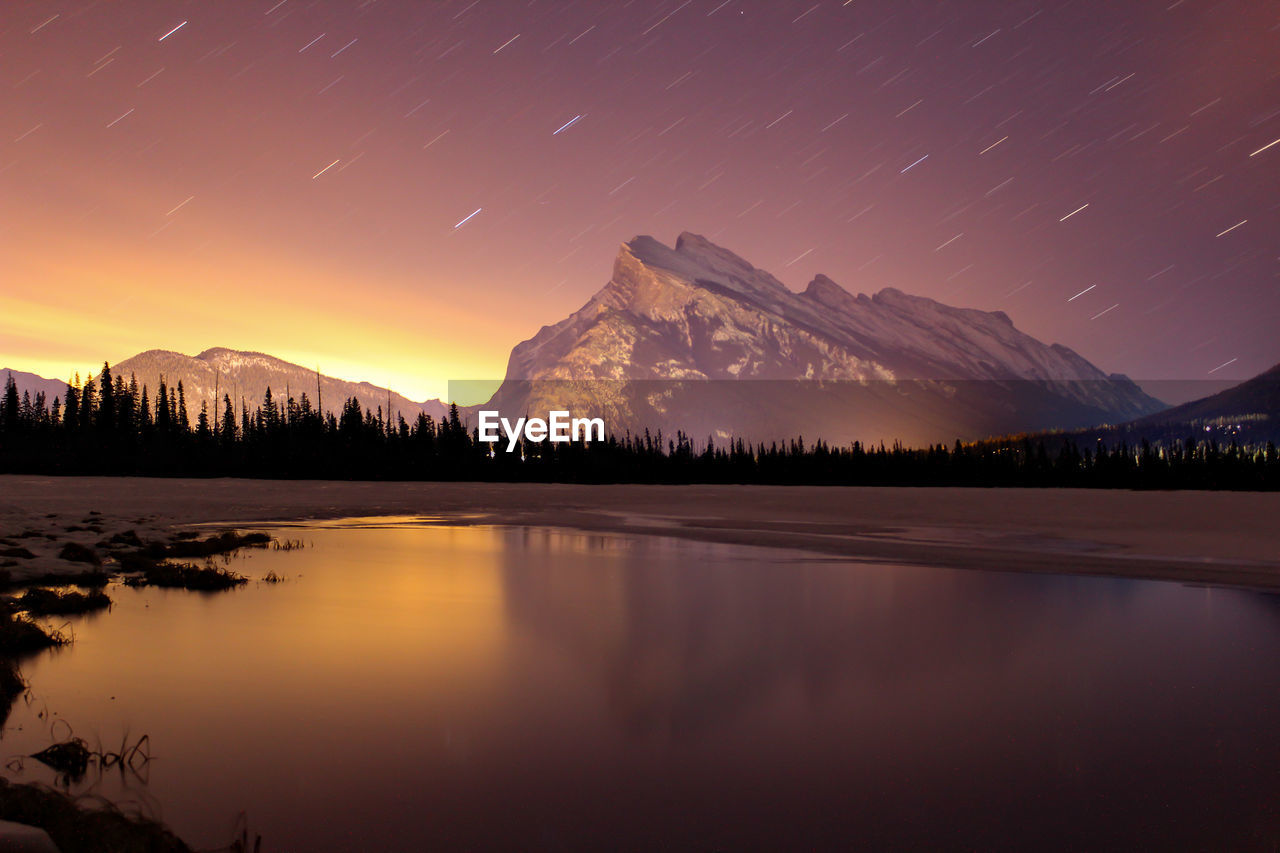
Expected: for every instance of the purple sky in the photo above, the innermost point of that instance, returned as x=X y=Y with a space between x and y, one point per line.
x=289 y=176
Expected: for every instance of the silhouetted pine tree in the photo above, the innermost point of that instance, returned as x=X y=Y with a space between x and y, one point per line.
x=227 y=433
x=10 y=414
x=106 y=414
x=111 y=431
x=164 y=422
x=183 y=423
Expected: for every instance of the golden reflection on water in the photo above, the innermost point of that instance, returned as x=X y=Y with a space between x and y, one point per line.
x=479 y=685
x=376 y=635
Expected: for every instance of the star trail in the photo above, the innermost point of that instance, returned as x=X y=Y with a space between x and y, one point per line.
x=293 y=177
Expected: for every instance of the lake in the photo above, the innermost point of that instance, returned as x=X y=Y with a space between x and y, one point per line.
x=412 y=685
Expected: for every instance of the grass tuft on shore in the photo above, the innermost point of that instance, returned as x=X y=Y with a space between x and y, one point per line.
x=41 y=601
x=73 y=756
x=88 y=579
x=186 y=576
x=70 y=758
x=76 y=829
x=221 y=543
x=19 y=636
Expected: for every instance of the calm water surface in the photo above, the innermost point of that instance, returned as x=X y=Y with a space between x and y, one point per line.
x=414 y=687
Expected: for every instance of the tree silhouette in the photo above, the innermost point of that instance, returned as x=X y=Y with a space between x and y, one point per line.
x=104 y=426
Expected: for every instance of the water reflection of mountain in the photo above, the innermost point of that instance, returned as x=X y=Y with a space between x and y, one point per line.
x=681 y=645
x=908 y=707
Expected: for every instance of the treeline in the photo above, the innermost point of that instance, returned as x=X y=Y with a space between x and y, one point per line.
x=106 y=425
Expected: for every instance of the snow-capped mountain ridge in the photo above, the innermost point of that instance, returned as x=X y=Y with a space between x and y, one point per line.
x=245 y=376
x=892 y=334
x=701 y=312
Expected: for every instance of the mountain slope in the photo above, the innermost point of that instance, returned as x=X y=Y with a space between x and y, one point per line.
x=823 y=362
x=1259 y=396
x=1247 y=414
x=247 y=375
x=32 y=384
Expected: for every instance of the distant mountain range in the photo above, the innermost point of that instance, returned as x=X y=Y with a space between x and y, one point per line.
x=1251 y=398
x=696 y=338
x=34 y=385
x=1248 y=413
x=242 y=376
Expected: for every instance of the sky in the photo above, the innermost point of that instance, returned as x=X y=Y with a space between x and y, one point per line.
x=400 y=192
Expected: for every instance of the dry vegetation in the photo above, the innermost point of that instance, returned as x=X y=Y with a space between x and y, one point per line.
x=138 y=560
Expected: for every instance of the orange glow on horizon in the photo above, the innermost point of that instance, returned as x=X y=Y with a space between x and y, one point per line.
x=405 y=210
x=55 y=320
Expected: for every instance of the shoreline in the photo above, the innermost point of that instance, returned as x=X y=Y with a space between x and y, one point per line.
x=1223 y=539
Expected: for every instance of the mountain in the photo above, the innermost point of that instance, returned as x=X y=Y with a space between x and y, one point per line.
x=1248 y=413
x=697 y=338
x=1251 y=399
x=247 y=375
x=32 y=384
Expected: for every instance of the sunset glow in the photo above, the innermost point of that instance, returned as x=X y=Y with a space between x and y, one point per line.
x=401 y=193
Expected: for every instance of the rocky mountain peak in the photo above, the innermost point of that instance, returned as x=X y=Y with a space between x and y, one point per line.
x=893 y=296
x=698 y=261
x=699 y=248
x=699 y=312
x=825 y=291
